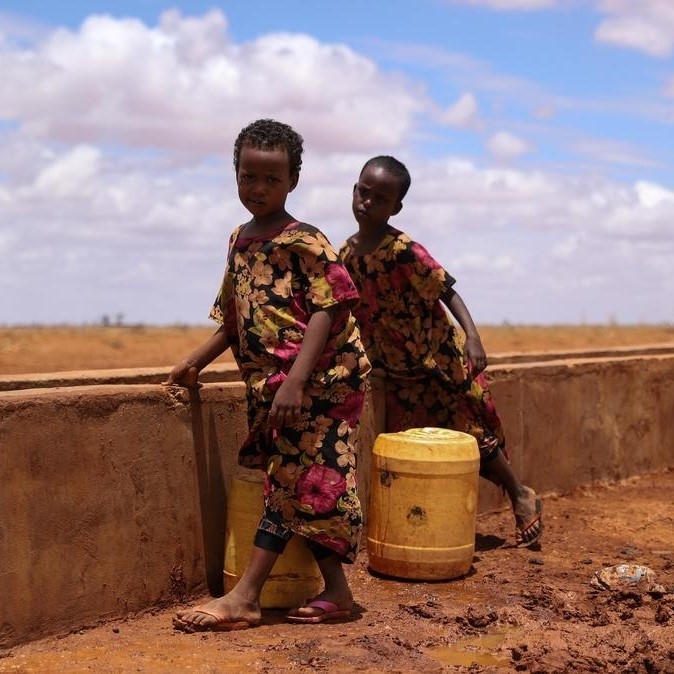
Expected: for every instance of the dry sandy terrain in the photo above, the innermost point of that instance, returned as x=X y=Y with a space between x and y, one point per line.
x=58 y=349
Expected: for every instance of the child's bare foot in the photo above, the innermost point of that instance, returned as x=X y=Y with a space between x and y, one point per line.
x=528 y=518
x=223 y=614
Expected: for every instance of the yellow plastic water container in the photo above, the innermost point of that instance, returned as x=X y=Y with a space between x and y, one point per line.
x=295 y=576
x=422 y=513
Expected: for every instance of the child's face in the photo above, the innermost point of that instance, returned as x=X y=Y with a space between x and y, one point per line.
x=375 y=197
x=264 y=180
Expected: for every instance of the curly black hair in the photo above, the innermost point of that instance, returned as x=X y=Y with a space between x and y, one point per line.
x=268 y=134
x=397 y=168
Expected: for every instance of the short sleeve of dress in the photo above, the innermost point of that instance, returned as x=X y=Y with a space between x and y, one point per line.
x=218 y=311
x=426 y=275
x=222 y=310
x=327 y=281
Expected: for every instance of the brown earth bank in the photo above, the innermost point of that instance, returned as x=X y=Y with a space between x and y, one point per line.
x=517 y=610
x=57 y=348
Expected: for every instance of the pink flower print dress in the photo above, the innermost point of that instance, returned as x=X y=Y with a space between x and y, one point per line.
x=408 y=332
x=272 y=285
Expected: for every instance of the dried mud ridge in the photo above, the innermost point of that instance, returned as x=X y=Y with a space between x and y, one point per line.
x=547 y=640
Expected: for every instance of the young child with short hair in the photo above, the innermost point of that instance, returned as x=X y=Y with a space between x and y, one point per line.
x=431 y=380
x=284 y=308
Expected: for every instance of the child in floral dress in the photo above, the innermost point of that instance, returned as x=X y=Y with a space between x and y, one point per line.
x=284 y=310
x=431 y=379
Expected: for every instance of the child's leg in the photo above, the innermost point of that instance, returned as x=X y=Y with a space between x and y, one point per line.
x=336 y=600
x=240 y=607
x=526 y=505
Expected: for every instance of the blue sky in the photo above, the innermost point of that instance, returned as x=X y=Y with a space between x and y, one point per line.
x=539 y=135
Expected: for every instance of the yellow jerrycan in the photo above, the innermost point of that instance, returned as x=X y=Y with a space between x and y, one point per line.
x=295 y=576
x=422 y=513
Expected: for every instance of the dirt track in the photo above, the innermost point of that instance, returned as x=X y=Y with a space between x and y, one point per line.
x=517 y=611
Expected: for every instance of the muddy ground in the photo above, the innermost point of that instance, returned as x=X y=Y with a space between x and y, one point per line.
x=517 y=611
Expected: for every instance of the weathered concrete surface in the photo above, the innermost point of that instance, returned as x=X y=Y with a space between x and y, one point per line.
x=114 y=496
x=222 y=372
x=112 y=500
x=575 y=422
x=141 y=375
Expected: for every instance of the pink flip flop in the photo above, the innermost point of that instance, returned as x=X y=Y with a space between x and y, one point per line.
x=330 y=612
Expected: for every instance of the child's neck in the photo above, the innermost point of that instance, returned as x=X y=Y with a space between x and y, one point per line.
x=268 y=223
x=368 y=238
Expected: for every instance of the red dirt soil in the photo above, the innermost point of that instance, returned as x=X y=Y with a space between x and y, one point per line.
x=518 y=610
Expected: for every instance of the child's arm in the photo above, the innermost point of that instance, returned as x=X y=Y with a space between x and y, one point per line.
x=476 y=358
x=287 y=403
x=186 y=373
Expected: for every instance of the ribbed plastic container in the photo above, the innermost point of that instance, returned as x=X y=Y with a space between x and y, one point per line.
x=295 y=576
x=422 y=513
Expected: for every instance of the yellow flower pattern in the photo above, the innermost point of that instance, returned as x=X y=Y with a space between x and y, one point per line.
x=271 y=287
x=408 y=333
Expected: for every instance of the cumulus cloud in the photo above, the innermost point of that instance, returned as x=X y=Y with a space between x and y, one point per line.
x=117 y=190
x=72 y=174
x=185 y=84
x=567 y=248
x=644 y=25
x=651 y=195
x=506 y=146
x=462 y=113
x=448 y=193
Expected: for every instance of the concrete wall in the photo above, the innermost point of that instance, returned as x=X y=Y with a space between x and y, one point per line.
x=113 y=495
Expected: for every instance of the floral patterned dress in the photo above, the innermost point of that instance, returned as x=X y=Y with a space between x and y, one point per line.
x=272 y=286
x=409 y=334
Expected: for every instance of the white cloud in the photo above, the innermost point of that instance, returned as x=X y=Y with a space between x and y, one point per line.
x=645 y=213
x=71 y=175
x=449 y=194
x=476 y=262
x=644 y=25
x=462 y=113
x=567 y=248
x=651 y=195
x=111 y=198
x=4 y=236
x=505 y=146
x=184 y=84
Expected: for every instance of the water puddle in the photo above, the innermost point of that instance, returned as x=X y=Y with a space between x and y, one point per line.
x=474 y=651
